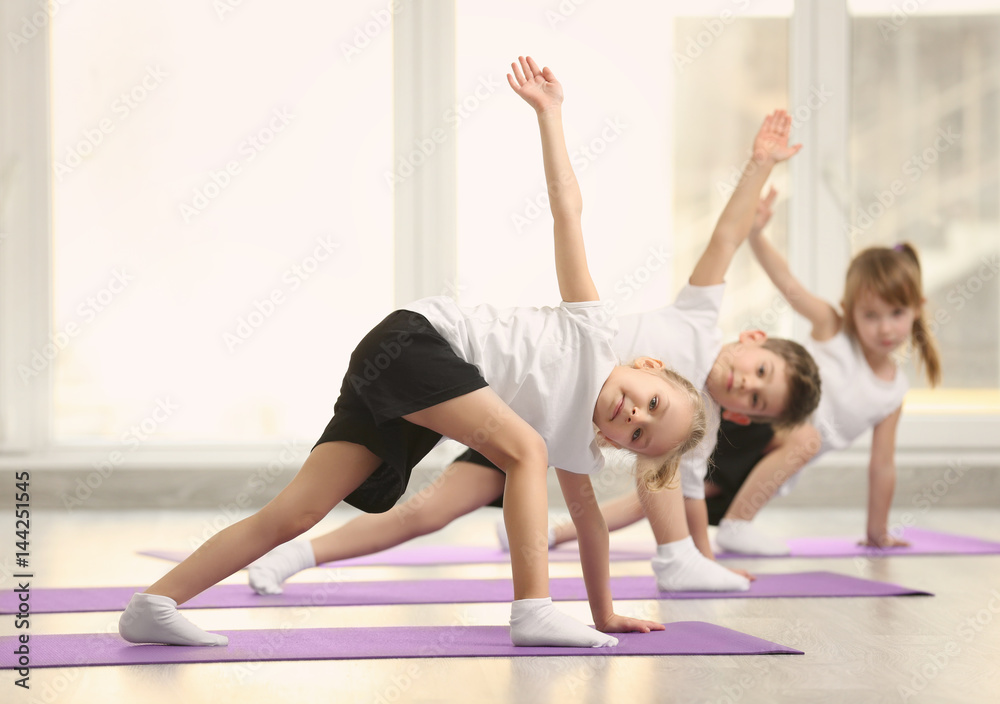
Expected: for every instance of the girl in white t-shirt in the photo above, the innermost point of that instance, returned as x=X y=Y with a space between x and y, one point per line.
x=857 y=353
x=525 y=387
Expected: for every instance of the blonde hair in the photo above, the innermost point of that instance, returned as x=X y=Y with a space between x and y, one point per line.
x=894 y=276
x=656 y=473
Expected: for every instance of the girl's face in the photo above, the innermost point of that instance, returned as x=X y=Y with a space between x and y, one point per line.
x=639 y=410
x=882 y=326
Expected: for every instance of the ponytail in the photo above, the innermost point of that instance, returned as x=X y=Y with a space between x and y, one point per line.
x=923 y=339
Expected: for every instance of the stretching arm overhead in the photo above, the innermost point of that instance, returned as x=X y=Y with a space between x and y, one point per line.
x=540 y=89
x=770 y=147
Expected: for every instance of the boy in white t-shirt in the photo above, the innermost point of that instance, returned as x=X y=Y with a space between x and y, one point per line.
x=685 y=335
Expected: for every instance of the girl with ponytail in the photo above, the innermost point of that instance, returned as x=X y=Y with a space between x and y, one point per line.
x=863 y=388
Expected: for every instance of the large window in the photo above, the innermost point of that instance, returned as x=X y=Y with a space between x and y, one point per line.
x=221 y=226
x=713 y=131
x=925 y=165
x=612 y=60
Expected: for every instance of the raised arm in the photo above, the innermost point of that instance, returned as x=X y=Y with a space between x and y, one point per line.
x=825 y=320
x=540 y=89
x=770 y=146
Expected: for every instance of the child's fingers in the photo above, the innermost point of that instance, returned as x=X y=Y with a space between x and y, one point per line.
x=534 y=67
x=769 y=198
x=517 y=73
x=513 y=84
x=527 y=69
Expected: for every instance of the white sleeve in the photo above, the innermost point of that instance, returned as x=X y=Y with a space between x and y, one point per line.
x=694 y=464
x=598 y=316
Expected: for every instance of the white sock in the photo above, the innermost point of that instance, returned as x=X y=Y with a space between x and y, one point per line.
x=740 y=536
x=679 y=567
x=267 y=573
x=505 y=543
x=151 y=618
x=537 y=622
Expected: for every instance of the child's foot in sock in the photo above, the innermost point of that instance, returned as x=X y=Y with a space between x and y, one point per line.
x=267 y=573
x=740 y=536
x=538 y=622
x=679 y=567
x=151 y=618
x=505 y=543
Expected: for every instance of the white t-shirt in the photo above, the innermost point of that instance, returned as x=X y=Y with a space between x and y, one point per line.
x=547 y=364
x=687 y=338
x=853 y=399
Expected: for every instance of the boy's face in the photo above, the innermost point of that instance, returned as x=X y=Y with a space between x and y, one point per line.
x=749 y=380
x=639 y=410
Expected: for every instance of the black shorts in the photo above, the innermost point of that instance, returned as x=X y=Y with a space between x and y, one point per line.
x=737 y=452
x=474 y=457
x=402 y=366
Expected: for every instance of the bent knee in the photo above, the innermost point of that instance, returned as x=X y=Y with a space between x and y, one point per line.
x=525 y=449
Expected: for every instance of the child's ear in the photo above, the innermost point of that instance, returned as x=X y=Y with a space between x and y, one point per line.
x=647 y=363
x=756 y=337
x=738 y=418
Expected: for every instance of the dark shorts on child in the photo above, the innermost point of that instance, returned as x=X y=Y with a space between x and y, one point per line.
x=402 y=366
x=738 y=450
x=474 y=457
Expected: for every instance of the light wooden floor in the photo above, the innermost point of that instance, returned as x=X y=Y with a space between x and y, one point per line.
x=857 y=650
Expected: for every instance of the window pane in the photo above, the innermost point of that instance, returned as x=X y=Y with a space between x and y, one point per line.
x=617 y=124
x=723 y=95
x=650 y=128
x=925 y=162
x=222 y=229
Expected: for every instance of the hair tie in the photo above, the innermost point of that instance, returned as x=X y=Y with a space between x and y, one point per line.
x=898 y=248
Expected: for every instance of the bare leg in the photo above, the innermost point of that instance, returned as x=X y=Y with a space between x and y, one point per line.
x=482 y=421
x=461 y=488
x=679 y=565
x=618 y=513
x=331 y=472
x=485 y=423
x=665 y=511
x=791 y=452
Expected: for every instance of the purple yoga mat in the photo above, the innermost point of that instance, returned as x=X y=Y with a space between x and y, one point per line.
x=681 y=638
x=449 y=591
x=923 y=542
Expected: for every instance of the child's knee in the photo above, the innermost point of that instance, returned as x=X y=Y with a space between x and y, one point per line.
x=526 y=449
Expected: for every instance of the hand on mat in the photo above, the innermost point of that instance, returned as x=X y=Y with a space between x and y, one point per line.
x=763 y=215
x=538 y=87
x=885 y=541
x=624 y=624
x=742 y=573
x=771 y=142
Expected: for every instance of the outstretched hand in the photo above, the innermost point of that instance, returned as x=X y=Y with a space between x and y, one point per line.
x=538 y=87
x=763 y=215
x=624 y=624
x=771 y=141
